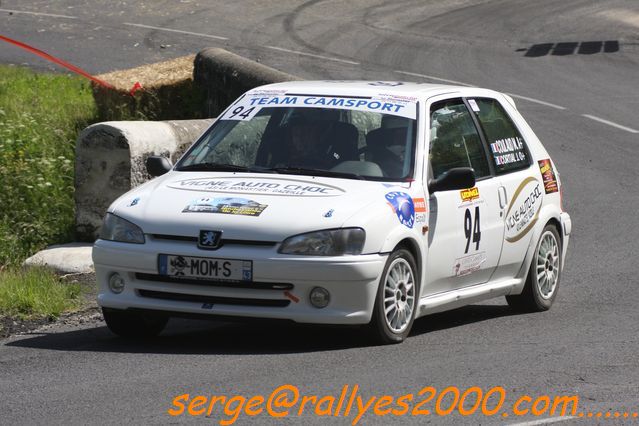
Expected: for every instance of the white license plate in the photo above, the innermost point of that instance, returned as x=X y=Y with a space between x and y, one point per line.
x=205 y=268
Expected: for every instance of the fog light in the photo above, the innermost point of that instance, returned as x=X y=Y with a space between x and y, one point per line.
x=320 y=297
x=116 y=283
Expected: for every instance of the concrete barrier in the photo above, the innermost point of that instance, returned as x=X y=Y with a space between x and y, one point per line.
x=110 y=160
x=225 y=76
x=72 y=258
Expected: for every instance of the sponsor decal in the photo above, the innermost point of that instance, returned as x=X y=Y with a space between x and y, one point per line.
x=329 y=213
x=420 y=205
x=508 y=150
x=523 y=211
x=265 y=186
x=548 y=176
x=395 y=96
x=420 y=217
x=473 y=105
x=248 y=106
x=134 y=202
x=177 y=266
x=468 y=264
x=469 y=194
x=226 y=205
x=402 y=205
x=267 y=92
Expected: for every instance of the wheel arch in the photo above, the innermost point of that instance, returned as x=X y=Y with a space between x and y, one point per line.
x=552 y=218
x=413 y=247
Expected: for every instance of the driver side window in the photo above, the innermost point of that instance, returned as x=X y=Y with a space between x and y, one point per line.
x=454 y=140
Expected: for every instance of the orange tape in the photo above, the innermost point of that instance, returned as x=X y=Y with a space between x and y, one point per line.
x=65 y=64
x=291 y=296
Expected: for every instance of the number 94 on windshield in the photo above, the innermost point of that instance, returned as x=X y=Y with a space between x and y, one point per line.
x=240 y=112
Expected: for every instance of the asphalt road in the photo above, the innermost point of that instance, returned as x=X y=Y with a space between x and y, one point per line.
x=572 y=67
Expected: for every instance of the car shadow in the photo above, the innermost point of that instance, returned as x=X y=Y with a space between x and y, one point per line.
x=208 y=337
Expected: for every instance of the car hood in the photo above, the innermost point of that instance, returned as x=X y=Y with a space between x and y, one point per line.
x=249 y=206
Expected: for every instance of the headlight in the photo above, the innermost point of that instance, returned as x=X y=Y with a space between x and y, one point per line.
x=333 y=242
x=115 y=228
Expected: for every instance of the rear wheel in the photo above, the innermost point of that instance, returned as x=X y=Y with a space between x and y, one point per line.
x=134 y=324
x=542 y=283
x=396 y=301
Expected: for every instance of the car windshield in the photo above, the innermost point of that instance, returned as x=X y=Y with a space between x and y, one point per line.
x=335 y=142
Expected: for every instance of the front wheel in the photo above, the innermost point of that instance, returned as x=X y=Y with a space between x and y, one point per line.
x=134 y=324
x=396 y=301
x=542 y=283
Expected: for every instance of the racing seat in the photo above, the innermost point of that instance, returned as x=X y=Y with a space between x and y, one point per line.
x=386 y=147
x=274 y=148
x=339 y=142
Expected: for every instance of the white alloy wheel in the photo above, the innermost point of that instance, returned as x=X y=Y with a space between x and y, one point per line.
x=547 y=265
x=399 y=295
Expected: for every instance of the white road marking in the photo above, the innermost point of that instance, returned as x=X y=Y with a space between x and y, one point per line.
x=610 y=123
x=627 y=16
x=430 y=77
x=536 y=101
x=312 y=55
x=51 y=15
x=328 y=58
x=445 y=80
x=175 y=31
x=545 y=421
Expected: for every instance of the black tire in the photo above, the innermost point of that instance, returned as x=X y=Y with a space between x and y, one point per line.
x=134 y=324
x=381 y=328
x=532 y=298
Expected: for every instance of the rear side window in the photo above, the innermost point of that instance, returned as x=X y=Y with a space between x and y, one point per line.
x=507 y=148
x=454 y=140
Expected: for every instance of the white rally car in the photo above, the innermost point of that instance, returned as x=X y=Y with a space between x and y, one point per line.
x=370 y=203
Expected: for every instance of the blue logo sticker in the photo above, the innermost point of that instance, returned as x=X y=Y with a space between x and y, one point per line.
x=403 y=206
x=329 y=213
x=134 y=202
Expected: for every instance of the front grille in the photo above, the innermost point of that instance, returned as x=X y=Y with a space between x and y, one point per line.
x=214 y=283
x=174 y=237
x=215 y=300
x=223 y=241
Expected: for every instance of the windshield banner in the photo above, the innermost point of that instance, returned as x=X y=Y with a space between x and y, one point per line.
x=252 y=103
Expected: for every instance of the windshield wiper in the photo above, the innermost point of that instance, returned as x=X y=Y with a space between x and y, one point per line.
x=223 y=167
x=316 y=172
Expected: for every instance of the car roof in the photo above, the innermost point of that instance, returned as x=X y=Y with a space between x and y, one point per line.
x=369 y=88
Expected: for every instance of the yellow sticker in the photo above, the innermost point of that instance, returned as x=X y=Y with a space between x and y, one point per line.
x=469 y=194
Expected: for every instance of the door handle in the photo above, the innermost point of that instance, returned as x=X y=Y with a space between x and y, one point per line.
x=503 y=198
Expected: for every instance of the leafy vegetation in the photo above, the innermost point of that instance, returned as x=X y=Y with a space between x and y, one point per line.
x=36 y=292
x=40 y=117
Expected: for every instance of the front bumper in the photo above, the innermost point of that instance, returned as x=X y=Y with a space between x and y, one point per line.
x=351 y=280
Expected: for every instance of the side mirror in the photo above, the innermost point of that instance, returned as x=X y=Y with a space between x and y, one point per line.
x=456 y=178
x=157 y=166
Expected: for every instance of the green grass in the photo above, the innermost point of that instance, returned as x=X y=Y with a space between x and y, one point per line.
x=40 y=118
x=36 y=292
